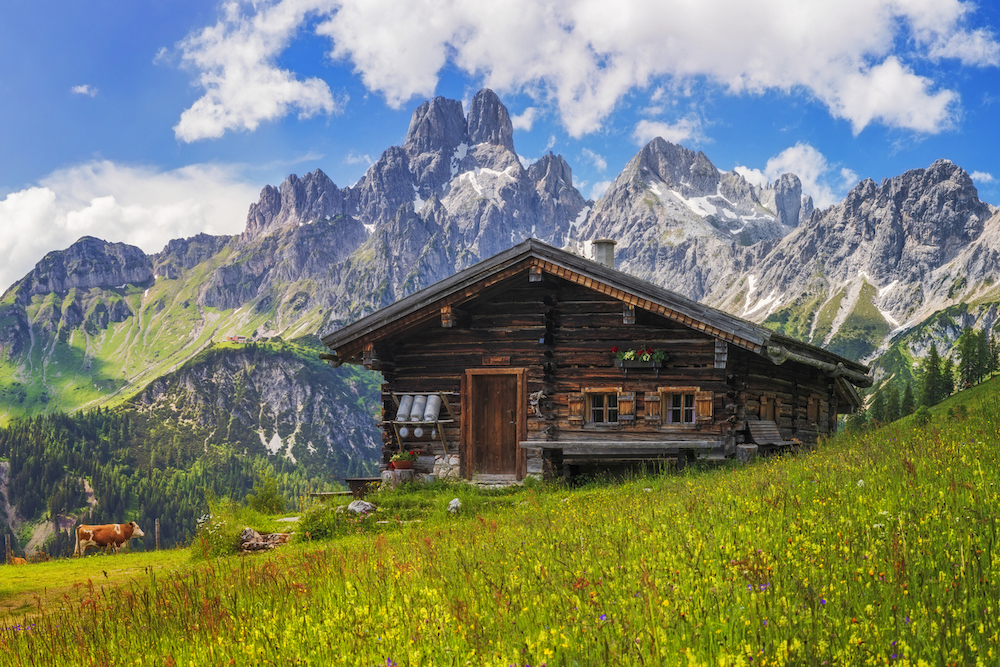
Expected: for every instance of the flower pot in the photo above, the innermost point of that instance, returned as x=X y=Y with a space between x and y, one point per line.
x=626 y=364
x=401 y=465
x=637 y=363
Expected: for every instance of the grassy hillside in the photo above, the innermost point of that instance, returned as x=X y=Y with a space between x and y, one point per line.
x=875 y=549
x=76 y=356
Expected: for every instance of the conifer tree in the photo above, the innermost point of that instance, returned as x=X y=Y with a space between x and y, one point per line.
x=983 y=355
x=947 y=378
x=994 y=359
x=892 y=404
x=968 y=352
x=877 y=409
x=931 y=391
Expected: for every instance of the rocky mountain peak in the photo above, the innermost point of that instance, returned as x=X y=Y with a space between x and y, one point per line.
x=690 y=174
x=489 y=121
x=938 y=206
x=437 y=125
x=296 y=200
x=551 y=173
x=788 y=199
x=88 y=263
x=435 y=143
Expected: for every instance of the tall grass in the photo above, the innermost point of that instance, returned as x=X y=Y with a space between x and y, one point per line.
x=875 y=549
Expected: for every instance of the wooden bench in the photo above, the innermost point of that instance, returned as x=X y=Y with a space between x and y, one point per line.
x=766 y=434
x=557 y=455
x=326 y=495
x=359 y=485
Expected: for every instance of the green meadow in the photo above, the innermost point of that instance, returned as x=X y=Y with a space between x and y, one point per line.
x=878 y=548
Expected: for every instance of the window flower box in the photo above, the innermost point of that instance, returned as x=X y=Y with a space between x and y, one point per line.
x=637 y=363
x=641 y=357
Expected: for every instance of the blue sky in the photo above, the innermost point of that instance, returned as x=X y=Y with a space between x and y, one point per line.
x=145 y=121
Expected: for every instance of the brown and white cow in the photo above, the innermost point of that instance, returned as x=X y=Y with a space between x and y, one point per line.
x=114 y=535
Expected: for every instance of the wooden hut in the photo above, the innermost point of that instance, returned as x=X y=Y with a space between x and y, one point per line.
x=538 y=361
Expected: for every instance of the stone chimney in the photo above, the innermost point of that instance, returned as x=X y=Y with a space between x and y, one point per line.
x=604 y=252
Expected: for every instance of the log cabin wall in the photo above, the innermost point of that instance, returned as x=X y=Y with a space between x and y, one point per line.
x=502 y=330
x=562 y=335
x=551 y=318
x=589 y=325
x=800 y=399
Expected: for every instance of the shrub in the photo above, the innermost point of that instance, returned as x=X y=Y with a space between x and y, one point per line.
x=324 y=522
x=219 y=533
x=922 y=416
x=265 y=497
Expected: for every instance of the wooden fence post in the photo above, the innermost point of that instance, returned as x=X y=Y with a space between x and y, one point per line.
x=6 y=551
x=157 y=534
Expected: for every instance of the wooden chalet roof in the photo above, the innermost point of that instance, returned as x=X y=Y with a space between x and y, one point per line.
x=419 y=308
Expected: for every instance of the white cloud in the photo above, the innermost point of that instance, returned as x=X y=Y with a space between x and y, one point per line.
x=859 y=58
x=824 y=182
x=982 y=177
x=85 y=89
x=684 y=130
x=600 y=187
x=595 y=159
x=235 y=61
x=752 y=176
x=354 y=157
x=525 y=119
x=134 y=205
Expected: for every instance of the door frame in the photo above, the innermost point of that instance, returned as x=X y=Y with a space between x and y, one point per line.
x=521 y=457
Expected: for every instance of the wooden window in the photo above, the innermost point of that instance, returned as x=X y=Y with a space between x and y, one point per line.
x=600 y=406
x=603 y=408
x=678 y=408
x=682 y=406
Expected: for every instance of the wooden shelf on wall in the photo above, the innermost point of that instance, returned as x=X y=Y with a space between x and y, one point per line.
x=434 y=424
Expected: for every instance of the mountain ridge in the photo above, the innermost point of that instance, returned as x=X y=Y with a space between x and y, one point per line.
x=101 y=323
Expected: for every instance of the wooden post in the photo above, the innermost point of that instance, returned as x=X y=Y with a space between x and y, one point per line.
x=157 y=534
x=6 y=551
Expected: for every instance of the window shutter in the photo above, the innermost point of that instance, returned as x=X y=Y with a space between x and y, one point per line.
x=704 y=406
x=576 y=408
x=626 y=406
x=815 y=408
x=652 y=407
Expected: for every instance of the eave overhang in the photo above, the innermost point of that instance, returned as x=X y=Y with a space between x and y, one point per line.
x=348 y=345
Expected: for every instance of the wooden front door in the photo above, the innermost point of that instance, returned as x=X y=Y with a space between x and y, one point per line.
x=494 y=423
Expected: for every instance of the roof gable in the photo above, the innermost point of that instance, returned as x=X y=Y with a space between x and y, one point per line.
x=420 y=308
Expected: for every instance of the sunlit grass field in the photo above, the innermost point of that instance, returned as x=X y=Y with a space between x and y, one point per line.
x=874 y=549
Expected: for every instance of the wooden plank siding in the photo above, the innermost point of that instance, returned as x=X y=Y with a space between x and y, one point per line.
x=789 y=389
x=583 y=325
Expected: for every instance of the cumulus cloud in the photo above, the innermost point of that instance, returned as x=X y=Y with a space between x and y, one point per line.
x=599 y=188
x=525 y=120
x=236 y=64
x=825 y=183
x=595 y=159
x=982 y=177
x=353 y=157
x=85 y=89
x=135 y=205
x=866 y=61
x=684 y=130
